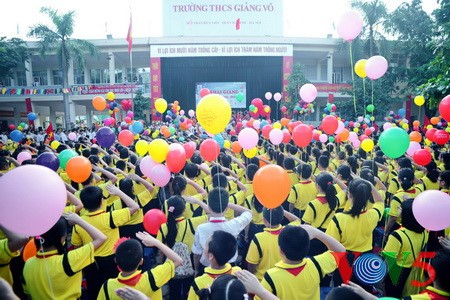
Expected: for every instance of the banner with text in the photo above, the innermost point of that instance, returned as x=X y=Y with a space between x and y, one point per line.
x=228 y=90
x=221 y=50
x=222 y=18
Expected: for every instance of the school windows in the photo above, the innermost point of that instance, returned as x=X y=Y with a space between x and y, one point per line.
x=78 y=76
x=118 y=75
x=21 y=78
x=40 y=77
x=99 y=76
x=57 y=77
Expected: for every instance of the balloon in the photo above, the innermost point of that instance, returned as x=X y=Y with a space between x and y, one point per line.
x=323 y=138
x=360 y=68
x=330 y=124
x=204 y=92
x=126 y=137
x=419 y=100
x=160 y=175
x=271 y=185
x=33 y=199
x=441 y=137
x=344 y=135
x=31 y=116
x=65 y=156
x=430 y=134
x=431 y=209
x=191 y=113
x=219 y=139
x=79 y=169
x=258 y=103
x=137 y=127
x=256 y=124
x=99 y=103
x=394 y=142
x=209 y=149
x=29 y=250
x=248 y=138
x=160 y=105
x=413 y=147
x=286 y=136
x=356 y=143
x=251 y=152
x=16 y=136
x=444 y=108
x=276 y=136
x=189 y=149
x=367 y=145
x=240 y=97
x=422 y=157
x=340 y=128
x=302 y=135
x=434 y=120
x=153 y=219
x=105 y=137
x=213 y=113
x=158 y=150
x=415 y=136
x=141 y=147
x=72 y=136
x=146 y=165
x=370 y=108
x=236 y=147
x=268 y=96
x=110 y=96
x=308 y=92
x=176 y=158
x=266 y=130
x=24 y=155
x=277 y=97
x=130 y=114
x=350 y=25
x=55 y=144
x=376 y=66
x=49 y=160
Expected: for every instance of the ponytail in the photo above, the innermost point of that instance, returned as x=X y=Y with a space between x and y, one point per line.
x=406 y=177
x=360 y=191
x=432 y=172
x=325 y=181
x=178 y=185
x=175 y=208
x=257 y=205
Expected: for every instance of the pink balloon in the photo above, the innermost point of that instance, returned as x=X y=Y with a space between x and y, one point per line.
x=308 y=92
x=248 y=138
x=181 y=112
x=277 y=97
x=431 y=209
x=31 y=211
x=350 y=25
x=106 y=121
x=276 y=136
x=72 y=136
x=413 y=147
x=191 y=113
x=353 y=137
x=146 y=165
x=356 y=143
x=340 y=128
x=160 y=175
x=387 y=125
x=256 y=124
x=323 y=138
x=376 y=66
x=24 y=155
x=268 y=96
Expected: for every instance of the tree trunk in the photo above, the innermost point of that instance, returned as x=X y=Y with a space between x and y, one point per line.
x=66 y=96
x=370 y=41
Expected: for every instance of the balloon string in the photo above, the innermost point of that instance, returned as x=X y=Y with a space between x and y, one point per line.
x=41 y=242
x=353 y=77
x=364 y=95
x=372 y=90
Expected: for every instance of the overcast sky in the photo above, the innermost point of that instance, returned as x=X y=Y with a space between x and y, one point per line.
x=96 y=18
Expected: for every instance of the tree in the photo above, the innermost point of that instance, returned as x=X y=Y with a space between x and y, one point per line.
x=141 y=104
x=295 y=82
x=13 y=54
x=57 y=38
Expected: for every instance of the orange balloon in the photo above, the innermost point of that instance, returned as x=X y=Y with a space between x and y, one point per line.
x=99 y=103
x=262 y=163
x=284 y=121
x=344 y=135
x=416 y=123
x=434 y=120
x=163 y=128
x=271 y=185
x=79 y=169
x=29 y=250
x=167 y=133
x=236 y=147
x=427 y=148
x=415 y=136
x=250 y=123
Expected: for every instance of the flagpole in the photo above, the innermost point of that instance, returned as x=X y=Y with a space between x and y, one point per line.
x=132 y=82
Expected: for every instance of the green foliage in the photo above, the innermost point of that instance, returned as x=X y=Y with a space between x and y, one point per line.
x=140 y=104
x=296 y=80
x=13 y=53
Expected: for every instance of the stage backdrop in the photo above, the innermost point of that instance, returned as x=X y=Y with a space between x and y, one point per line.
x=228 y=90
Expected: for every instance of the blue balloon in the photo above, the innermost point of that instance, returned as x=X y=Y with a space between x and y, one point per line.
x=137 y=127
x=16 y=135
x=31 y=116
x=402 y=112
x=220 y=140
x=262 y=124
x=204 y=136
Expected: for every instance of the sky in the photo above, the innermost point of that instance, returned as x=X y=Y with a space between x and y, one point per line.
x=97 y=18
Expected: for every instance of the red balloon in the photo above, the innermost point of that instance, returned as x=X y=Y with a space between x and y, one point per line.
x=302 y=135
x=126 y=138
x=444 y=108
x=330 y=124
x=204 y=92
x=316 y=136
x=266 y=130
x=127 y=120
x=363 y=137
x=338 y=139
x=209 y=149
x=153 y=220
x=176 y=159
x=286 y=136
x=367 y=131
x=258 y=103
x=430 y=134
x=189 y=150
x=283 y=109
x=11 y=127
x=441 y=137
x=422 y=157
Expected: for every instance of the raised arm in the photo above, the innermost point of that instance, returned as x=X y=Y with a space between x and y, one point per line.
x=15 y=241
x=197 y=187
x=98 y=238
x=238 y=208
x=331 y=243
x=132 y=205
x=142 y=181
x=150 y=241
x=202 y=204
x=109 y=175
x=74 y=201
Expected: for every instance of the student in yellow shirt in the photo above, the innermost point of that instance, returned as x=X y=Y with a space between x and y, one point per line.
x=289 y=165
x=250 y=173
x=55 y=273
x=179 y=187
x=429 y=180
x=129 y=256
x=343 y=173
x=444 y=182
x=10 y=244
x=193 y=171
x=303 y=192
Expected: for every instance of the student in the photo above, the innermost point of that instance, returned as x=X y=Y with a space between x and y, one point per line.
x=10 y=244
x=303 y=192
x=179 y=187
x=411 y=238
x=220 y=248
x=250 y=174
x=129 y=256
x=323 y=163
x=55 y=273
x=444 y=182
x=344 y=174
x=289 y=165
x=354 y=228
x=430 y=178
x=108 y=223
x=298 y=277
x=218 y=202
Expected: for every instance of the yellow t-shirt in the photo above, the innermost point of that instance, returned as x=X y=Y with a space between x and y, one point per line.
x=398 y=246
x=142 y=200
x=257 y=217
x=318 y=213
x=293 y=176
x=429 y=185
x=398 y=199
x=5 y=257
x=302 y=193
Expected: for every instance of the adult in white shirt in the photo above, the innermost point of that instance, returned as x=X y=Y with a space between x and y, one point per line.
x=3 y=137
x=40 y=137
x=64 y=138
x=218 y=203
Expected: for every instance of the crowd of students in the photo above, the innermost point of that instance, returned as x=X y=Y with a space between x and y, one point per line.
x=219 y=242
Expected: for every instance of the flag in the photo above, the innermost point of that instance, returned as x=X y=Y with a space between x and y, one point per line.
x=49 y=132
x=238 y=24
x=130 y=35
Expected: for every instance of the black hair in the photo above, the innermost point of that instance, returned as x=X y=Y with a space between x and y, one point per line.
x=289 y=163
x=222 y=246
x=52 y=238
x=218 y=200
x=226 y=161
x=330 y=147
x=120 y=164
x=445 y=177
x=191 y=170
x=409 y=221
x=179 y=206
x=304 y=157
x=362 y=154
x=107 y=159
x=432 y=172
x=94 y=159
x=86 y=182
x=216 y=169
x=4 y=164
x=446 y=160
x=225 y=287
x=86 y=153
x=220 y=180
x=325 y=181
x=348 y=148
x=406 y=177
x=441 y=264
x=126 y=186
x=280 y=159
x=128 y=255
x=345 y=172
x=251 y=171
x=367 y=174
x=379 y=159
x=360 y=191
x=179 y=184
x=196 y=159
x=294 y=242
x=326 y=153
x=304 y=170
x=370 y=164
x=274 y=216
x=353 y=163
x=253 y=160
x=137 y=169
x=133 y=159
x=91 y=197
x=316 y=153
x=257 y=205
x=403 y=162
x=341 y=155
x=293 y=150
x=343 y=292
x=123 y=153
x=323 y=161
x=94 y=151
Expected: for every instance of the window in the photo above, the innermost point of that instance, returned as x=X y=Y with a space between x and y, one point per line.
x=118 y=76
x=40 y=77
x=5 y=81
x=21 y=78
x=57 y=77
x=311 y=72
x=99 y=75
x=132 y=73
x=78 y=76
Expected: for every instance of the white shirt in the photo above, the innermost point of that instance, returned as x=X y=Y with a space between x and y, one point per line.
x=204 y=231
x=3 y=138
x=40 y=137
x=64 y=138
x=58 y=137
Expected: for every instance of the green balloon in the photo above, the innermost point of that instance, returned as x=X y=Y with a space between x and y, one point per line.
x=370 y=108
x=239 y=97
x=386 y=212
x=394 y=142
x=172 y=129
x=331 y=139
x=65 y=156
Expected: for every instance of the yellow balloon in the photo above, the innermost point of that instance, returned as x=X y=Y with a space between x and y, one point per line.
x=160 y=105
x=155 y=134
x=227 y=144
x=110 y=96
x=251 y=153
x=419 y=100
x=55 y=144
x=276 y=125
x=158 y=150
x=405 y=126
x=427 y=142
x=355 y=130
x=429 y=126
x=136 y=137
x=141 y=147
x=213 y=113
x=367 y=145
x=360 y=68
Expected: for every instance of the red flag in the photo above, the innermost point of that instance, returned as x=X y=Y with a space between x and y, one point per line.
x=130 y=35
x=238 y=24
x=49 y=132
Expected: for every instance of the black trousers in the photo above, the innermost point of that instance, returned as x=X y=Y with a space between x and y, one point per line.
x=179 y=288
x=97 y=273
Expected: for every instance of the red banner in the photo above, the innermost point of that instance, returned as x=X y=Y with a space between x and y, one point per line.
x=156 y=92
x=331 y=87
x=116 y=89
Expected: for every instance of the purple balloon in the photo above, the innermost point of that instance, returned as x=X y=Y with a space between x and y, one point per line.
x=49 y=160
x=105 y=137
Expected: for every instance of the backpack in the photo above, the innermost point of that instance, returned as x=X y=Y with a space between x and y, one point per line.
x=185 y=269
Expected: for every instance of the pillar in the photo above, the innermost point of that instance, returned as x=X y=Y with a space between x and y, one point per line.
x=70 y=75
x=29 y=72
x=330 y=67
x=52 y=116
x=88 y=116
x=87 y=75
x=16 y=115
x=49 y=77
x=112 y=68
x=319 y=70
